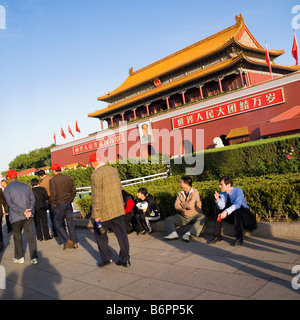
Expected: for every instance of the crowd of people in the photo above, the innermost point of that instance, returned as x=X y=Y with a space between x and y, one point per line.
x=25 y=207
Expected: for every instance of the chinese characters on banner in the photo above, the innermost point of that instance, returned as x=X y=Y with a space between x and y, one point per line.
x=98 y=144
x=263 y=100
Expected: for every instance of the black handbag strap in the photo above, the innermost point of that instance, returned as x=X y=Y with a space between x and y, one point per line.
x=36 y=194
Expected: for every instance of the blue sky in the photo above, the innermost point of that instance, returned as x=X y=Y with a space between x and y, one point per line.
x=58 y=56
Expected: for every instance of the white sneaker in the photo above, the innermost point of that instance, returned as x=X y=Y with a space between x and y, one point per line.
x=186 y=237
x=20 y=261
x=172 y=236
x=34 y=261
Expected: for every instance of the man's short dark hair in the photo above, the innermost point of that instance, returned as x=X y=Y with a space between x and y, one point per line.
x=227 y=180
x=187 y=180
x=41 y=173
x=34 y=182
x=143 y=191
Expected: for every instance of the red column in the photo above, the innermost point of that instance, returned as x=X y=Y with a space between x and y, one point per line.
x=201 y=91
x=101 y=122
x=134 y=114
x=111 y=121
x=248 y=84
x=122 y=115
x=183 y=97
x=147 y=108
x=168 y=104
x=220 y=85
x=242 y=78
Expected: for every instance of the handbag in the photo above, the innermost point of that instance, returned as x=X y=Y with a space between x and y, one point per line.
x=43 y=205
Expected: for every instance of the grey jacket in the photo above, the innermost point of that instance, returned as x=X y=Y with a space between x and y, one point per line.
x=19 y=197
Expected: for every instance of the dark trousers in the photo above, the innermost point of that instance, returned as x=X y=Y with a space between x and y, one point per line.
x=234 y=218
x=41 y=222
x=8 y=227
x=65 y=211
x=17 y=228
x=128 y=221
x=8 y=224
x=143 y=221
x=119 y=228
x=1 y=233
x=52 y=216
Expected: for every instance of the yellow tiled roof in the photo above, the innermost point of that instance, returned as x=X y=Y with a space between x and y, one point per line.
x=183 y=57
x=186 y=56
x=192 y=76
x=201 y=73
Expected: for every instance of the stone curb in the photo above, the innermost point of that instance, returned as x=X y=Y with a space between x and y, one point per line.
x=282 y=230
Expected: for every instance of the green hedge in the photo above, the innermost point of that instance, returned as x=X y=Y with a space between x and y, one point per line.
x=139 y=167
x=271 y=198
x=270 y=156
x=134 y=168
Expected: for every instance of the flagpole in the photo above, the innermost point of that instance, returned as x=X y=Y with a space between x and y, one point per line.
x=268 y=60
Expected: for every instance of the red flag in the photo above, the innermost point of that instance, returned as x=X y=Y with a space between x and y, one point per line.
x=295 y=49
x=77 y=128
x=268 y=60
x=54 y=137
x=70 y=131
x=62 y=133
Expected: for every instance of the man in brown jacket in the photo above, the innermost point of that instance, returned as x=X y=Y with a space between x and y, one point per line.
x=108 y=211
x=62 y=194
x=46 y=184
x=189 y=205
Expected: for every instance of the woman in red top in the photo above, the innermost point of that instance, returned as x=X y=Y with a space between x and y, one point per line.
x=129 y=209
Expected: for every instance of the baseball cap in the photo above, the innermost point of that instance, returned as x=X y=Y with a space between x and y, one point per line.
x=95 y=157
x=12 y=174
x=56 y=166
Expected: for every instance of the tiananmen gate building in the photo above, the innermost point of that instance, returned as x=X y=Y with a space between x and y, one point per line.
x=221 y=85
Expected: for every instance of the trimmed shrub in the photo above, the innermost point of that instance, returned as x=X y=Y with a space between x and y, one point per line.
x=271 y=198
x=270 y=156
x=85 y=206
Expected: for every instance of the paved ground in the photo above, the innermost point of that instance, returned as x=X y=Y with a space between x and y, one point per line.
x=160 y=270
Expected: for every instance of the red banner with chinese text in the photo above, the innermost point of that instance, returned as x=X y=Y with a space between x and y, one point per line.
x=233 y=108
x=98 y=144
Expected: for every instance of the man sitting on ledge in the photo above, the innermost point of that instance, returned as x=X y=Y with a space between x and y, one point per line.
x=232 y=207
x=189 y=205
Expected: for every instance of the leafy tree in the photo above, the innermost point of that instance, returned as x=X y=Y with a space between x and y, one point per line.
x=34 y=159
